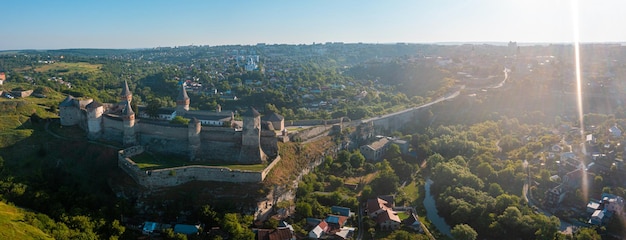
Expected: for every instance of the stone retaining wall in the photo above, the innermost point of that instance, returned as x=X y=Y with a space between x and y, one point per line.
x=169 y=177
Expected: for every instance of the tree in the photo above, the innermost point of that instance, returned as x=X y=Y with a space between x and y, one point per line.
x=357 y=159
x=587 y=234
x=464 y=232
x=180 y=120
x=343 y=156
x=304 y=209
x=153 y=108
x=495 y=190
x=208 y=216
x=485 y=171
x=387 y=182
x=339 y=113
x=231 y=225
x=169 y=234
x=393 y=151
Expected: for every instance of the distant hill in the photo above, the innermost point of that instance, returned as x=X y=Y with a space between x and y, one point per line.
x=13 y=225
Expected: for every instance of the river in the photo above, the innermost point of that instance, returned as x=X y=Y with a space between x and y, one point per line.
x=431 y=211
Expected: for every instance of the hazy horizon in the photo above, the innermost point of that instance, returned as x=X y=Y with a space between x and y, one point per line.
x=44 y=25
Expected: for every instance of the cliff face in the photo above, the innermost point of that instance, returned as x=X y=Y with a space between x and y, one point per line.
x=297 y=159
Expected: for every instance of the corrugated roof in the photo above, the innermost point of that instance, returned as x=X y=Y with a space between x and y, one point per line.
x=379 y=144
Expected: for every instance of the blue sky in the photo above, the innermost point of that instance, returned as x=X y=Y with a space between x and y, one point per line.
x=47 y=24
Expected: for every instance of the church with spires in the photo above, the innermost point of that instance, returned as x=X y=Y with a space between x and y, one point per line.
x=210 y=136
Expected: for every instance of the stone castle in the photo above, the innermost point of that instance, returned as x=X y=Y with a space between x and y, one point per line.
x=210 y=136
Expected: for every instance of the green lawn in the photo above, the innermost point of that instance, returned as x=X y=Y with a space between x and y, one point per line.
x=403 y=215
x=147 y=162
x=13 y=227
x=410 y=192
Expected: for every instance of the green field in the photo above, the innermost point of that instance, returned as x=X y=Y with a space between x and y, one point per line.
x=147 y=161
x=63 y=68
x=13 y=226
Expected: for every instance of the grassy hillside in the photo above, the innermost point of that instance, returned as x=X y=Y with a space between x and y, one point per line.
x=13 y=227
x=15 y=122
x=64 y=68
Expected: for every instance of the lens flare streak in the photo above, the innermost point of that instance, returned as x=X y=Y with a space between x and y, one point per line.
x=579 y=96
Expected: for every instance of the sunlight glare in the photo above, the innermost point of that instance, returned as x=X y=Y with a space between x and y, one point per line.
x=579 y=97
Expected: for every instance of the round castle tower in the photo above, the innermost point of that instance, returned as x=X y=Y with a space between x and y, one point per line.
x=251 y=152
x=95 y=110
x=128 y=117
x=193 y=134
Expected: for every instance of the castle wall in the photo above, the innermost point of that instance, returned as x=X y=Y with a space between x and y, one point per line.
x=69 y=115
x=220 y=134
x=309 y=133
x=218 y=151
x=219 y=144
x=312 y=122
x=175 y=176
x=395 y=121
x=165 y=131
x=269 y=143
x=113 y=129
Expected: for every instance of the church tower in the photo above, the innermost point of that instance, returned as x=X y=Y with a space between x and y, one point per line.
x=251 y=152
x=182 y=101
x=126 y=95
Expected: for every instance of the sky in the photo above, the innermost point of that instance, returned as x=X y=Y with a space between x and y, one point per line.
x=44 y=24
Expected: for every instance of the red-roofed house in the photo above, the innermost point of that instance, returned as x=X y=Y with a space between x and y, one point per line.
x=319 y=230
x=275 y=234
x=388 y=220
x=376 y=206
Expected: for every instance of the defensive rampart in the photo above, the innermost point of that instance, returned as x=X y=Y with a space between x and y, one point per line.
x=313 y=122
x=169 y=177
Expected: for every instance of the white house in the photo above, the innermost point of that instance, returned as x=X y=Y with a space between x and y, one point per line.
x=319 y=230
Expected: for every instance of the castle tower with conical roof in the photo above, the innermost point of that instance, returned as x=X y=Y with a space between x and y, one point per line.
x=182 y=101
x=128 y=117
x=126 y=95
x=251 y=152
